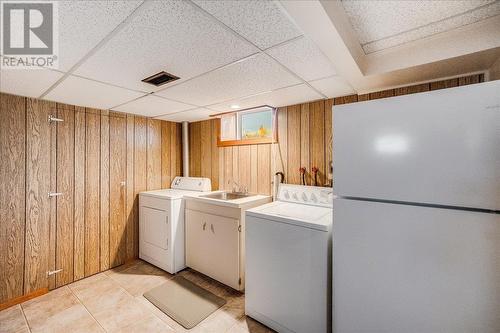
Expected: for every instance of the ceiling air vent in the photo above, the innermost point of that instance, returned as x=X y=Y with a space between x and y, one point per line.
x=160 y=78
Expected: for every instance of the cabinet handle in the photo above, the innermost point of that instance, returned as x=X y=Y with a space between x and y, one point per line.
x=204 y=225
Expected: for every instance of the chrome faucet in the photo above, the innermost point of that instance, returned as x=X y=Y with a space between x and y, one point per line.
x=241 y=189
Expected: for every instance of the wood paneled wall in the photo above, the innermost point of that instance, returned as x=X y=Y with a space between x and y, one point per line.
x=99 y=161
x=304 y=140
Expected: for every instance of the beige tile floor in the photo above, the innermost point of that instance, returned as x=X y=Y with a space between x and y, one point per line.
x=112 y=301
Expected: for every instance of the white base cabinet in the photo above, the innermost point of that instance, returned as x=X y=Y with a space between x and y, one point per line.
x=213 y=246
x=215 y=237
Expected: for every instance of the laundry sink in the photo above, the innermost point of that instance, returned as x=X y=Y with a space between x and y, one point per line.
x=227 y=195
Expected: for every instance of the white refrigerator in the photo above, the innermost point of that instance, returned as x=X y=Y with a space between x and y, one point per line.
x=416 y=220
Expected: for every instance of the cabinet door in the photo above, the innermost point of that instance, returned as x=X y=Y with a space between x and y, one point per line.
x=196 y=241
x=224 y=249
x=38 y=205
x=92 y=189
x=117 y=183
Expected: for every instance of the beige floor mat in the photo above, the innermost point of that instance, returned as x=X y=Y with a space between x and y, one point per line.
x=185 y=302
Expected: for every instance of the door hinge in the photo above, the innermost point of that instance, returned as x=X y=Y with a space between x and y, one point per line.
x=54 y=119
x=49 y=273
x=239 y=281
x=239 y=228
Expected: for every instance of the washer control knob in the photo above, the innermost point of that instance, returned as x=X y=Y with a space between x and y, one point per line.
x=295 y=196
x=287 y=195
x=326 y=196
x=304 y=197
x=314 y=198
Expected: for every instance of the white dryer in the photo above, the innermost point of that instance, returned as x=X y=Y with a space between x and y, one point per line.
x=161 y=222
x=288 y=256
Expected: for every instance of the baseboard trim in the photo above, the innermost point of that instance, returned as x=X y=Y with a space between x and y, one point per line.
x=24 y=298
x=42 y=291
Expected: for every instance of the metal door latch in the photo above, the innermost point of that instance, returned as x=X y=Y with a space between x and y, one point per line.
x=54 y=194
x=54 y=119
x=49 y=273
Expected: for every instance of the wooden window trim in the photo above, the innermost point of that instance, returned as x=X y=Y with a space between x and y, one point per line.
x=245 y=142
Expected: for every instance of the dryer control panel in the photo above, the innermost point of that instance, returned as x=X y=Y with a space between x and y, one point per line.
x=192 y=184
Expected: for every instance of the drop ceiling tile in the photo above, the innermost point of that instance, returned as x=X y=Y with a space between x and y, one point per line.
x=281 y=97
x=375 y=21
x=190 y=115
x=261 y=22
x=27 y=82
x=304 y=58
x=171 y=36
x=334 y=86
x=79 y=91
x=83 y=24
x=151 y=106
x=251 y=76
x=434 y=28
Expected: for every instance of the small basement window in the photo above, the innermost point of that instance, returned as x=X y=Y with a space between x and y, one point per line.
x=246 y=127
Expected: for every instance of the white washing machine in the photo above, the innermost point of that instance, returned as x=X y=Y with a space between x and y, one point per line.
x=288 y=260
x=161 y=222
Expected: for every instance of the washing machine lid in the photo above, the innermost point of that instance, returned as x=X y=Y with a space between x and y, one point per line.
x=309 y=216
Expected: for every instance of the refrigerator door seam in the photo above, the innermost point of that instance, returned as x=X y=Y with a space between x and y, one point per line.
x=420 y=204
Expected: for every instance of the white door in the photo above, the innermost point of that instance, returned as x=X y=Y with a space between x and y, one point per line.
x=224 y=250
x=440 y=147
x=401 y=268
x=196 y=240
x=154 y=235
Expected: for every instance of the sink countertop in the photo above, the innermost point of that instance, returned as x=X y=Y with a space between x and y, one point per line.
x=235 y=203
